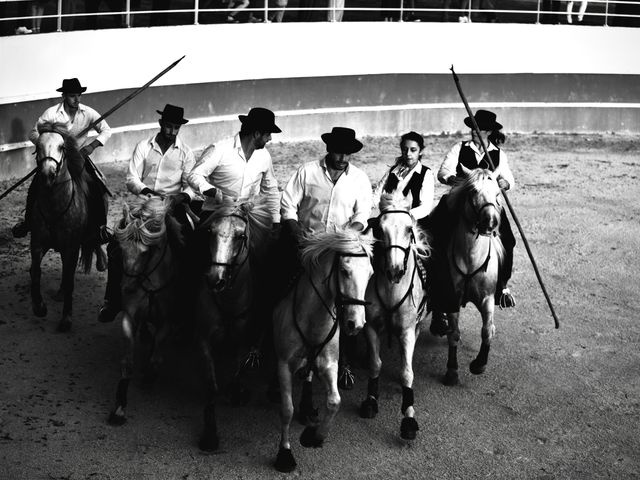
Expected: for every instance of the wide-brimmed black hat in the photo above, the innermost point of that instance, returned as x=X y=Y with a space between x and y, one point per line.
x=341 y=140
x=262 y=119
x=71 y=85
x=485 y=119
x=173 y=114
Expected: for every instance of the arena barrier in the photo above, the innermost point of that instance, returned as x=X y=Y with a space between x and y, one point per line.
x=322 y=74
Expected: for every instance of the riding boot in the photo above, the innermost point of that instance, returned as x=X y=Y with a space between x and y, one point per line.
x=23 y=227
x=503 y=296
x=113 y=293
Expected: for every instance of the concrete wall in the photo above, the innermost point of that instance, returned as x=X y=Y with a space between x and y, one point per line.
x=318 y=75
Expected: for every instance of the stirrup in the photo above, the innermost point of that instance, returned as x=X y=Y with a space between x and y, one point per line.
x=346 y=379
x=506 y=299
x=107 y=313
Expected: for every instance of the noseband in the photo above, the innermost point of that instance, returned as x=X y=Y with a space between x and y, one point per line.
x=405 y=250
x=477 y=213
x=341 y=299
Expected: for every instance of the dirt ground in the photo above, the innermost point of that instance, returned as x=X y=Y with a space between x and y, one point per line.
x=553 y=404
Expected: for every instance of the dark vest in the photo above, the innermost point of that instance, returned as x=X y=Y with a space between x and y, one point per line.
x=414 y=185
x=467 y=158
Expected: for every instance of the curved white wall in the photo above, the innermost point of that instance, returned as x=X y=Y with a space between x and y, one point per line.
x=106 y=60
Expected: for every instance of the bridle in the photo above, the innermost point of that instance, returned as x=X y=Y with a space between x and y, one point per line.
x=341 y=301
x=477 y=211
x=145 y=275
x=234 y=264
x=40 y=161
x=405 y=250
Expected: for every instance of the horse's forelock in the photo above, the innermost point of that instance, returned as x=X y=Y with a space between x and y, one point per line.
x=475 y=182
x=395 y=200
x=144 y=222
x=345 y=241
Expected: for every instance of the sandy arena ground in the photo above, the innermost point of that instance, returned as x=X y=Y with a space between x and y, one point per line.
x=553 y=404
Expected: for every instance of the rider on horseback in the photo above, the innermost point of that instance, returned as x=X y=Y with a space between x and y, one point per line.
x=461 y=159
x=77 y=117
x=159 y=166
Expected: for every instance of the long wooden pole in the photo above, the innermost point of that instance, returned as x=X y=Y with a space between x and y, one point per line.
x=504 y=194
x=102 y=117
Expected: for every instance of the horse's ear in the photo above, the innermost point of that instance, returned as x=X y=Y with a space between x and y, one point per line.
x=465 y=171
x=408 y=200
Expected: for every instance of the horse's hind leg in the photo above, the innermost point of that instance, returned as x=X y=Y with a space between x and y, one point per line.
x=409 y=426
x=69 y=265
x=369 y=407
x=209 y=440
x=479 y=365
x=117 y=415
x=285 y=462
x=37 y=303
x=453 y=337
x=313 y=436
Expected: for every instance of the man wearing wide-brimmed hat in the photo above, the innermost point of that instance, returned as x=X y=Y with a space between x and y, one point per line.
x=240 y=167
x=76 y=117
x=159 y=166
x=341 y=191
x=323 y=195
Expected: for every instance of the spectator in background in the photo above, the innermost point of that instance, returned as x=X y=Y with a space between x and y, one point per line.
x=237 y=6
x=277 y=15
x=336 y=11
x=583 y=8
x=37 y=10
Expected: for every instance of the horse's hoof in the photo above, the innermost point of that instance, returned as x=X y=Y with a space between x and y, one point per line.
x=116 y=418
x=308 y=416
x=64 y=326
x=346 y=379
x=369 y=408
x=40 y=310
x=285 y=462
x=451 y=379
x=209 y=442
x=409 y=428
x=477 y=368
x=310 y=439
x=239 y=396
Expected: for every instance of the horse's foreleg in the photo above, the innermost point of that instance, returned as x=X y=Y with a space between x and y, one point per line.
x=69 y=265
x=37 y=303
x=155 y=355
x=307 y=414
x=209 y=440
x=453 y=337
x=409 y=426
x=369 y=407
x=285 y=462
x=118 y=416
x=479 y=365
x=313 y=436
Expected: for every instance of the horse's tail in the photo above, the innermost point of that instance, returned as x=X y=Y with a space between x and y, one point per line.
x=86 y=256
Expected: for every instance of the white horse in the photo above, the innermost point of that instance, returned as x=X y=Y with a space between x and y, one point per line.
x=397 y=300
x=327 y=297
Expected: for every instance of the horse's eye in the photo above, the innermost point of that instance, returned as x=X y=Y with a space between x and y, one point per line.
x=345 y=273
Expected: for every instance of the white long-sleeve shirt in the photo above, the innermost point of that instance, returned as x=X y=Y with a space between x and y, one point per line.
x=163 y=173
x=226 y=168
x=427 y=191
x=448 y=167
x=319 y=205
x=84 y=117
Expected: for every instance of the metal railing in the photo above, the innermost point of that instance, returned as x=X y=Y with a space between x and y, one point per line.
x=599 y=12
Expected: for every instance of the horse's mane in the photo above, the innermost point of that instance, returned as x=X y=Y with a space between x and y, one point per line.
x=396 y=200
x=340 y=241
x=256 y=210
x=74 y=159
x=146 y=222
x=475 y=182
